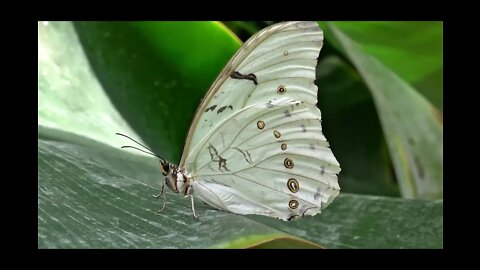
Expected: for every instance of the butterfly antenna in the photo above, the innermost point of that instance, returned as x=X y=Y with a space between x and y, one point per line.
x=151 y=151
x=153 y=154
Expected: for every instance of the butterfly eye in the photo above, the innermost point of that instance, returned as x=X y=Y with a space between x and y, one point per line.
x=288 y=163
x=281 y=89
x=293 y=204
x=165 y=166
x=277 y=134
x=284 y=146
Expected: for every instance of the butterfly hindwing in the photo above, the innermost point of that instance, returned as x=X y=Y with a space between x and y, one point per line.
x=265 y=157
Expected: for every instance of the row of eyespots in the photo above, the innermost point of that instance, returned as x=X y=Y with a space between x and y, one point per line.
x=292 y=183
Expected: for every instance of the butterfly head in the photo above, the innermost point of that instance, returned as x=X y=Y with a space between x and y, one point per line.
x=165 y=167
x=168 y=171
x=177 y=180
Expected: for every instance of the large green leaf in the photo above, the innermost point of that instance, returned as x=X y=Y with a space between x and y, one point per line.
x=91 y=195
x=362 y=221
x=412 y=50
x=155 y=73
x=352 y=127
x=70 y=97
x=413 y=127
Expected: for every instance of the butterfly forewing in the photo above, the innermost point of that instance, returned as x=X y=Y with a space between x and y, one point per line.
x=256 y=145
x=282 y=51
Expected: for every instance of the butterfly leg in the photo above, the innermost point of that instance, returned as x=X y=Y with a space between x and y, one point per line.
x=164 y=199
x=161 y=192
x=193 y=207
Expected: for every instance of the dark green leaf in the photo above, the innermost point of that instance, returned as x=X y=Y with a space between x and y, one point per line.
x=352 y=127
x=91 y=195
x=359 y=221
x=155 y=73
x=412 y=50
x=413 y=127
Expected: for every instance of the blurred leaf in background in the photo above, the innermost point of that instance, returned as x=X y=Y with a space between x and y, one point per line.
x=380 y=92
x=413 y=126
x=245 y=29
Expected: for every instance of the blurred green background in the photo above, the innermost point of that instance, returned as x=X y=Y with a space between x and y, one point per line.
x=380 y=93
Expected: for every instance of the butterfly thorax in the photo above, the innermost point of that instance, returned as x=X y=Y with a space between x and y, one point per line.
x=176 y=179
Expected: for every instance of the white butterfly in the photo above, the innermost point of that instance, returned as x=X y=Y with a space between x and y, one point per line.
x=256 y=144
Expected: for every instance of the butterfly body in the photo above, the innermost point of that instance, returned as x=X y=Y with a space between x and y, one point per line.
x=256 y=144
x=176 y=179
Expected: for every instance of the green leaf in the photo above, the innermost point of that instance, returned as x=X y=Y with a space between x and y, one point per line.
x=351 y=125
x=360 y=221
x=70 y=96
x=155 y=73
x=245 y=29
x=412 y=50
x=413 y=127
x=91 y=195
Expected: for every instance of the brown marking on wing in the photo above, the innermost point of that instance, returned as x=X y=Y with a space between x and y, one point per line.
x=237 y=75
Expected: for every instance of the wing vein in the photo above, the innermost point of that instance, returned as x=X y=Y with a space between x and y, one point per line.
x=225 y=122
x=278 y=48
x=270 y=157
x=253 y=181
